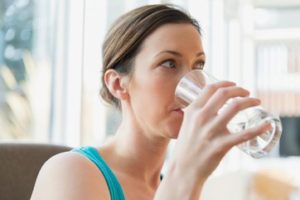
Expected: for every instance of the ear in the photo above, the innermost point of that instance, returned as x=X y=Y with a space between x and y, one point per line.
x=116 y=84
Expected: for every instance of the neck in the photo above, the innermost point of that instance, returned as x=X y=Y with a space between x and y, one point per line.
x=138 y=154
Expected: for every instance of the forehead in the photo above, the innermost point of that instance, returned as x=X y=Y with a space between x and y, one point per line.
x=173 y=36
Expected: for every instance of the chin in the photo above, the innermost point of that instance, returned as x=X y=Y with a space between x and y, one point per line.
x=173 y=131
x=172 y=126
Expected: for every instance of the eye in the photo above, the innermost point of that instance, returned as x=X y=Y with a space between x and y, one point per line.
x=169 y=64
x=199 y=64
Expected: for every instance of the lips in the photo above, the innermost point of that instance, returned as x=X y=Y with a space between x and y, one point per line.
x=174 y=107
x=178 y=110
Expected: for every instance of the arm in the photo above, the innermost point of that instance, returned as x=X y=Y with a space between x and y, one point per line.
x=179 y=184
x=69 y=176
x=204 y=140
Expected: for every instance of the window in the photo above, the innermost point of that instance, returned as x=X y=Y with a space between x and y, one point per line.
x=16 y=68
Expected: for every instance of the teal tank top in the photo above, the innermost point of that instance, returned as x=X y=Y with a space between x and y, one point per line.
x=115 y=189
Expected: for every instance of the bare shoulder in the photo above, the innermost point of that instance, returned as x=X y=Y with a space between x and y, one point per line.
x=70 y=175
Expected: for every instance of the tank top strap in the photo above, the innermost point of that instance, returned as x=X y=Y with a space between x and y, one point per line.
x=115 y=189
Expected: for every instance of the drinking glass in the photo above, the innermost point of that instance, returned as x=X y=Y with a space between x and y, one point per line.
x=190 y=86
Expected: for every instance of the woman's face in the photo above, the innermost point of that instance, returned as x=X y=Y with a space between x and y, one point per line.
x=166 y=55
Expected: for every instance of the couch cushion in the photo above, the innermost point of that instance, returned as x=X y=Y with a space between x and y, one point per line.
x=20 y=165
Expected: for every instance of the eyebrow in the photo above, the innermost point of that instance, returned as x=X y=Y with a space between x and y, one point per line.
x=178 y=54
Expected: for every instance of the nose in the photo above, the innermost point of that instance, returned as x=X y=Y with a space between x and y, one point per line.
x=185 y=70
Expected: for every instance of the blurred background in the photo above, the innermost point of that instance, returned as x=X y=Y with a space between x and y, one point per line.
x=50 y=63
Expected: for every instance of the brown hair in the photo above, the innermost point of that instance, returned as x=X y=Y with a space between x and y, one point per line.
x=124 y=39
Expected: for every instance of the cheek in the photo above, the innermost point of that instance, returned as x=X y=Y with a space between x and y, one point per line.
x=152 y=102
x=156 y=89
x=152 y=97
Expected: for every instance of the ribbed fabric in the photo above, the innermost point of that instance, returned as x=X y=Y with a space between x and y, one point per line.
x=115 y=189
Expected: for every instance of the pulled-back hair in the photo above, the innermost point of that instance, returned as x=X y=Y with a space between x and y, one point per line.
x=124 y=39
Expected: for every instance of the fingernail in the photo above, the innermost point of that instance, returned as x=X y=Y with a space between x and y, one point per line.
x=258 y=101
x=233 y=83
x=267 y=126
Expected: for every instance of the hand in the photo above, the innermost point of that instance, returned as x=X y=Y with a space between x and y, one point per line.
x=204 y=138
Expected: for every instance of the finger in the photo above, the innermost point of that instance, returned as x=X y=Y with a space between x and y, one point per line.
x=230 y=140
x=208 y=91
x=221 y=96
x=230 y=110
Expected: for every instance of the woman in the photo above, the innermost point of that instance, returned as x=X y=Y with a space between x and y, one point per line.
x=145 y=54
